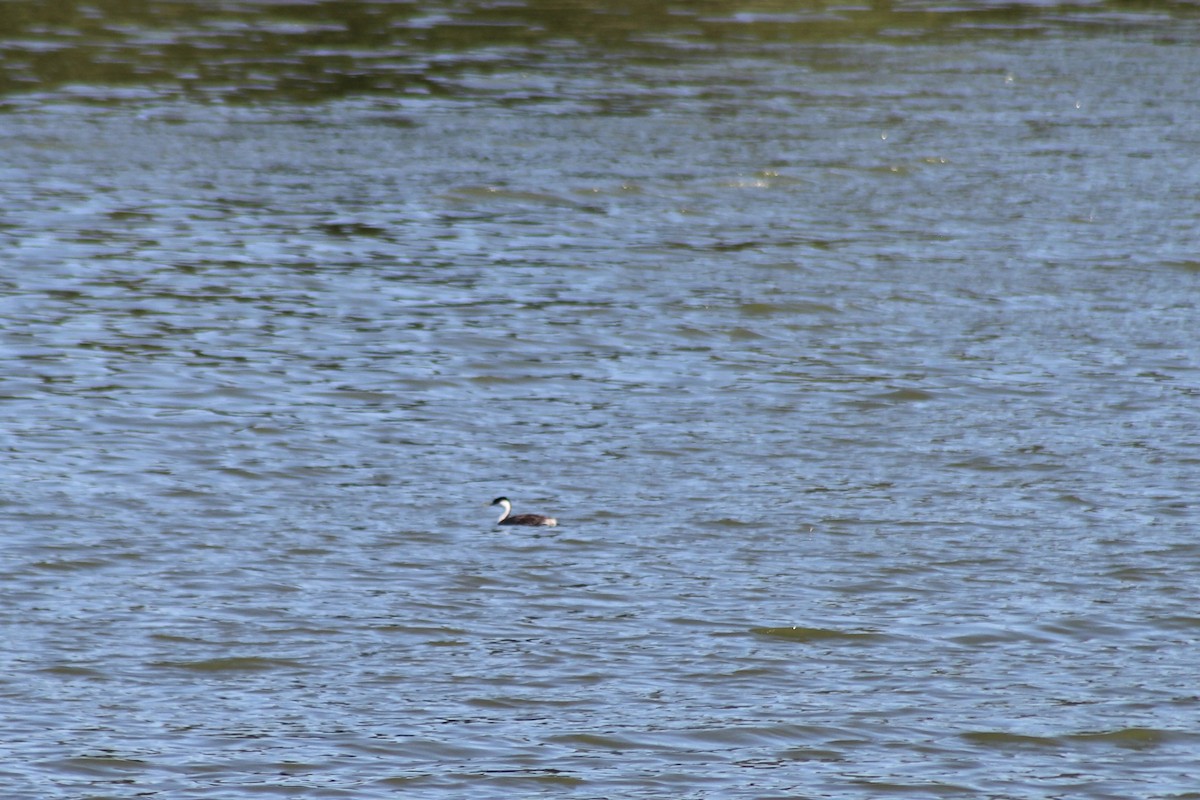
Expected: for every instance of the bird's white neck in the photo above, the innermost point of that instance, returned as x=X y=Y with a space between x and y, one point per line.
x=507 y=506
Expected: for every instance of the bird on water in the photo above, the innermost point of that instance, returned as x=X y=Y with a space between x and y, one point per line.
x=520 y=519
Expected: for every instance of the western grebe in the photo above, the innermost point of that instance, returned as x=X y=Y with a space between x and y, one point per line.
x=520 y=519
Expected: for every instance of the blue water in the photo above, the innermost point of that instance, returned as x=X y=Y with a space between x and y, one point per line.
x=853 y=350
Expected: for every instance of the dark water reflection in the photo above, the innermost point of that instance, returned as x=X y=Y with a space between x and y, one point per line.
x=853 y=346
x=249 y=52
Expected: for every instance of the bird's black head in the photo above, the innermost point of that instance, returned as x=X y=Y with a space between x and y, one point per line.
x=500 y=500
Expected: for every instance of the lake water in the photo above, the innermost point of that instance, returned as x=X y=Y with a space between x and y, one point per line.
x=853 y=346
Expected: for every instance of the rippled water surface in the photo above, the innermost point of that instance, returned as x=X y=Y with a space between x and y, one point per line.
x=854 y=348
